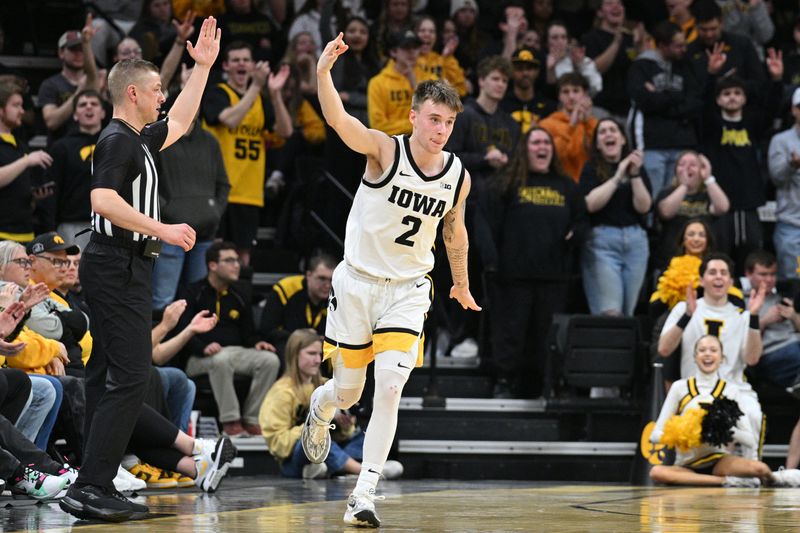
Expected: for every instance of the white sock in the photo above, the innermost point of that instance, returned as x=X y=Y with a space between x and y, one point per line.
x=326 y=401
x=368 y=478
x=382 y=426
x=129 y=461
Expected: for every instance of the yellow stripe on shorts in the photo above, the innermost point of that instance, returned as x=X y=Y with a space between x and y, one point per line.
x=353 y=355
x=399 y=339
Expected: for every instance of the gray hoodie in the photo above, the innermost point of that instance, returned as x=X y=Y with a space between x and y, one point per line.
x=785 y=177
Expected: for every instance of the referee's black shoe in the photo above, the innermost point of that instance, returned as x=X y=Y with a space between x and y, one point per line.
x=90 y=502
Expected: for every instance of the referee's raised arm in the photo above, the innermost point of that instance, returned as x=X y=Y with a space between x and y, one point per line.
x=204 y=54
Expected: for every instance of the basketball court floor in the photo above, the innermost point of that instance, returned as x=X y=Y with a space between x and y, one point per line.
x=267 y=504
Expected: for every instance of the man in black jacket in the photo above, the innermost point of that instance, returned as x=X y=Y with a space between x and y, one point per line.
x=666 y=99
x=233 y=346
x=71 y=173
x=299 y=301
x=199 y=202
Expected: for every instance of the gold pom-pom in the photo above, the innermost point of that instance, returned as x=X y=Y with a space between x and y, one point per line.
x=683 y=271
x=683 y=432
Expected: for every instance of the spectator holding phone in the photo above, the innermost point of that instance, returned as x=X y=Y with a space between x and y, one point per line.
x=16 y=217
x=779 y=323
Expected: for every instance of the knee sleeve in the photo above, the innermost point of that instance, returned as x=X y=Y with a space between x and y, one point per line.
x=388 y=389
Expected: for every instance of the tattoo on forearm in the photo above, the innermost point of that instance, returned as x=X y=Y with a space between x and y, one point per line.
x=448 y=231
x=458 y=264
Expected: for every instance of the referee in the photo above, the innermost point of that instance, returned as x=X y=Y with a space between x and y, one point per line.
x=116 y=267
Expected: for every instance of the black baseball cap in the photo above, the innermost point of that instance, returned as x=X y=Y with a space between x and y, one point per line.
x=50 y=242
x=525 y=55
x=403 y=39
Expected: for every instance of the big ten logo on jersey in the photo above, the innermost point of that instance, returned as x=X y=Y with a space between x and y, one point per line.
x=418 y=202
x=400 y=96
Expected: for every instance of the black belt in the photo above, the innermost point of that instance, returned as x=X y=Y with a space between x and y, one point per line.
x=146 y=248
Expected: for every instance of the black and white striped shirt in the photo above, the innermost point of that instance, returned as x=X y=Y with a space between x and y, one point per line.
x=123 y=161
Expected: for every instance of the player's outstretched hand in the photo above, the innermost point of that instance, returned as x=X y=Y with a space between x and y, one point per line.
x=464 y=297
x=331 y=53
x=182 y=235
x=206 y=50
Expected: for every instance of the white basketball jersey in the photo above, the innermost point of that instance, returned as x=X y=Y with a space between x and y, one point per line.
x=728 y=322
x=393 y=222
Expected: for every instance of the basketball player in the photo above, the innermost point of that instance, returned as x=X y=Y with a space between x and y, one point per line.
x=379 y=295
x=714 y=314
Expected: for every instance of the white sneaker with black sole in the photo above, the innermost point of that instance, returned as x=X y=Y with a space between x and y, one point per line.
x=213 y=463
x=316 y=434
x=361 y=509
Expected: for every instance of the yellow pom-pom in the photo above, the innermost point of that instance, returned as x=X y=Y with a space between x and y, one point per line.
x=683 y=431
x=683 y=271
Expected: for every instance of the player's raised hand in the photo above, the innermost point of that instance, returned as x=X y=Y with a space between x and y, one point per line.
x=464 y=297
x=205 y=51
x=331 y=53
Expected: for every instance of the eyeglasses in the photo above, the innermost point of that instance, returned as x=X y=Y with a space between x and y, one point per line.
x=23 y=262
x=56 y=262
x=230 y=260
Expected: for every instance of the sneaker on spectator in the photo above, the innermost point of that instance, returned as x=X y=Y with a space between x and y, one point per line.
x=465 y=349
x=153 y=476
x=361 y=509
x=735 y=481
x=252 y=429
x=92 y=502
x=233 y=429
x=786 y=477
x=182 y=481
x=69 y=473
x=392 y=469
x=315 y=471
x=213 y=463
x=38 y=485
x=127 y=482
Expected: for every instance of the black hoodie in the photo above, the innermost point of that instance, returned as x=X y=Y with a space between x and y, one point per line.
x=193 y=185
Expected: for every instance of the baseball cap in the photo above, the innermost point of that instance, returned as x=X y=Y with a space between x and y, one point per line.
x=403 y=39
x=69 y=38
x=457 y=5
x=50 y=242
x=525 y=55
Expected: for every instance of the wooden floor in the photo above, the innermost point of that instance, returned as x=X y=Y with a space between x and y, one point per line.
x=279 y=505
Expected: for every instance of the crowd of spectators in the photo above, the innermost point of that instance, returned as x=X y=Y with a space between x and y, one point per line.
x=614 y=147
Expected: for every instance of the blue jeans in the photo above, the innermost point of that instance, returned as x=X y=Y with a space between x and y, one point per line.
x=787 y=246
x=660 y=167
x=179 y=393
x=340 y=453
x=37 y=420
x=174 y=265
x=781 y=366
x=614 y=262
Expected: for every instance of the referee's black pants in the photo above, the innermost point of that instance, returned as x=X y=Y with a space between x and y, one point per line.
x=117 y=284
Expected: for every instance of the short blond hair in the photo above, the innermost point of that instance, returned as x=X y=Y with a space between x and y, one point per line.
x=126 y=72
x=438 y=92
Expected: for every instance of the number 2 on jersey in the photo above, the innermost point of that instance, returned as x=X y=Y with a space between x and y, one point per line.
x=415 y=223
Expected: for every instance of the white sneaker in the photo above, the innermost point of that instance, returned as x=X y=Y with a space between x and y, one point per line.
x=213 y=463
x=316 y=435
x=392 y=469
x=38 y=485
x=315 y=471
x=69 y=473
x=786 y=477
x=465 y=349
x=734 y=481
x=361 y=509
x=128 y=481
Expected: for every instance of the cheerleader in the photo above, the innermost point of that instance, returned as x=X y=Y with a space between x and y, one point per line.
x=701 y=420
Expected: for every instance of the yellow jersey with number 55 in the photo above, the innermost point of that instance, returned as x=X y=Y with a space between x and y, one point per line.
x=392 y=225
x=243 y=151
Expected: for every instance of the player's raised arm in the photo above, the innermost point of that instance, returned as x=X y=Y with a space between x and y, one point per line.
x=356 y=135
x=454 y=232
